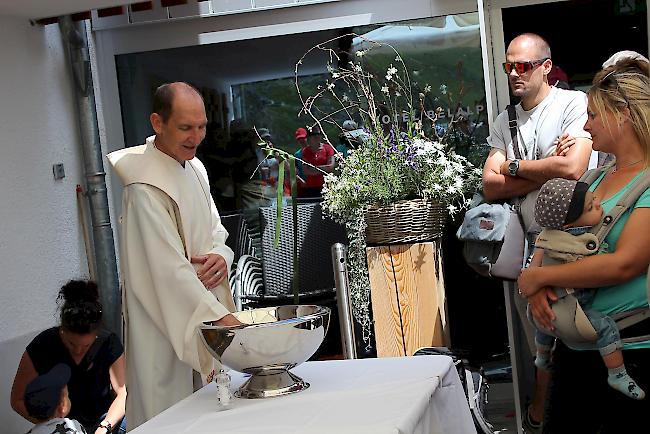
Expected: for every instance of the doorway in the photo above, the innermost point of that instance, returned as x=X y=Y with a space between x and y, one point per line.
x=606 y=26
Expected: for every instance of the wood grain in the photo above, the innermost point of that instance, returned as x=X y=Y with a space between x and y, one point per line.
x=385 y=306
x=408 y=299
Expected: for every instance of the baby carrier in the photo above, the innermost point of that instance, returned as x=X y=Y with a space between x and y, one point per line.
x=571 y=322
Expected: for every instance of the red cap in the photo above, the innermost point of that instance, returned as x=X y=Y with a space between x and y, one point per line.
x=301 y=133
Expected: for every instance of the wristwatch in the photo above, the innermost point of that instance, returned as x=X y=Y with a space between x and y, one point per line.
x=513 y=167
x=107 y=426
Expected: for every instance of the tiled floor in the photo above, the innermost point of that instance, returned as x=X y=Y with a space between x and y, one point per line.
x=501 y=408
x=501 y=405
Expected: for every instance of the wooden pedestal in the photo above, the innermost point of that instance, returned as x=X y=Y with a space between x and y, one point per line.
x=408 y=297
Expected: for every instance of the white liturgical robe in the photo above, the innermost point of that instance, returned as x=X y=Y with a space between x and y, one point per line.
x=168 y=216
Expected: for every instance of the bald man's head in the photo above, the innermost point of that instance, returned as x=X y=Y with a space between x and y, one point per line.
x=163 y=98
x=534 y=44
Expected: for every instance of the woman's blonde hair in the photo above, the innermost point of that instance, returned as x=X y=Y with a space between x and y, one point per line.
x=625 y=84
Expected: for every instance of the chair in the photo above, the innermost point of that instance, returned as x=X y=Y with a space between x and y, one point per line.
x=314 y=240
x=240 y=238
x=270 y=280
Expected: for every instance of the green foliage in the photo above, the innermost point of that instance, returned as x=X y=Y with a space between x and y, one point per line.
x=395 y=158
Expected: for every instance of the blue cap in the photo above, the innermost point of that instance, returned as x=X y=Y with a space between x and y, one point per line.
x=43 y=394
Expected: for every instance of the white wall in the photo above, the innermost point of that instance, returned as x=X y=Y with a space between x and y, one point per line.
x=41 y=246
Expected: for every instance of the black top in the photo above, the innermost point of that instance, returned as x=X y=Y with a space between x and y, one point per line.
x=90 y=385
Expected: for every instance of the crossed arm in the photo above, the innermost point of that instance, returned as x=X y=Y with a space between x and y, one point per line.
x=570 y=162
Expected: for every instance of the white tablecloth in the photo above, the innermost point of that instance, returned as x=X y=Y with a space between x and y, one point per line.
x=419 y=395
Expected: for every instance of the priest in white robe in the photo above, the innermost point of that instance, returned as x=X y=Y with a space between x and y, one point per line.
x=174 y=260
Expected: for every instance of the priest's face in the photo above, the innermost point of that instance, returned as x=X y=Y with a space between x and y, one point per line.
x=184 y=130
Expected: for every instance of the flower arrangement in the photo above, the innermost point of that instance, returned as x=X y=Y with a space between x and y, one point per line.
x=397 y=158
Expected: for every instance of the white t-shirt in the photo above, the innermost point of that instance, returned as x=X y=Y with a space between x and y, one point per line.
x=562 y=111
x=58 y=425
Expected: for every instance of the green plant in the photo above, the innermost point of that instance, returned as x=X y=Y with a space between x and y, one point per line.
x=405 y=152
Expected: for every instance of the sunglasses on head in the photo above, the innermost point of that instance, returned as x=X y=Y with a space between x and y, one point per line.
x=522 y=67
x=609 y=83
x=91 y=313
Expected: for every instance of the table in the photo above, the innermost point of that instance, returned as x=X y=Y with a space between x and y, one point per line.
x=421 y=394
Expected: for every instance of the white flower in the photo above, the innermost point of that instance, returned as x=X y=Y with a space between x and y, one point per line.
x=390 y=72
x=336 y=75
x=345 y=98
x=360 y=53
x=384 y=89
x=427 y=88
x=330 y=86
x=429 y=146
x=452 y=208
x=443 y=89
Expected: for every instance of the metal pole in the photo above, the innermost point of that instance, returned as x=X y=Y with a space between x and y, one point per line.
x=74 y=37
x=346 y=321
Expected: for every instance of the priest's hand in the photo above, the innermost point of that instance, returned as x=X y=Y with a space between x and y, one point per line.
x=228 y=320
x=213 y=269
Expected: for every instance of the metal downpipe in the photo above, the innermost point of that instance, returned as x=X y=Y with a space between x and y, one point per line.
x=75 y=39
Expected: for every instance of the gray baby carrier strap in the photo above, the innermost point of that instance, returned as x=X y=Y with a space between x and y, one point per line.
x=571 y=320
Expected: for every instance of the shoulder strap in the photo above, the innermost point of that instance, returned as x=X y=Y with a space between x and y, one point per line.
x=102 y=335
x=590 y=176
x=512 y=126
x=628 y=199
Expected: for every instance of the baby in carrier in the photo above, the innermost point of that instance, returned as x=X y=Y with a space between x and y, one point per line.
x=567 y=210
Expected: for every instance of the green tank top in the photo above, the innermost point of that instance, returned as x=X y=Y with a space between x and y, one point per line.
x=632 y=294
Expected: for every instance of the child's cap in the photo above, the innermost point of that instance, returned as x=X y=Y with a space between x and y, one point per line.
x=560 y=202
x=43 y=394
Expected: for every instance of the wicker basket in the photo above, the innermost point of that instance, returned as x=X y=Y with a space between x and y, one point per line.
x=406 y=221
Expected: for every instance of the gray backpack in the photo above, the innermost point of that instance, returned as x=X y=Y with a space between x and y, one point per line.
x=493 y=232
x=571 y=323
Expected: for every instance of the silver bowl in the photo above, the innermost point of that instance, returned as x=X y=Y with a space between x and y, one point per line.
x=271 y=341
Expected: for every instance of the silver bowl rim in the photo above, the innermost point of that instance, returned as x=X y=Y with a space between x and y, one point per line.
x=322 y=310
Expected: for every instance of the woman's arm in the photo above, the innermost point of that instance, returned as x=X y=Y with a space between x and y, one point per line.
x=118 y=406
x=24 y=375
x=330 y=166
x=630 y=260
x=536 y=261
x=540 y=307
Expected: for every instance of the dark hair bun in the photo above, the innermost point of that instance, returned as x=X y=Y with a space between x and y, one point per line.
x=77 y=291
x=81 y=311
